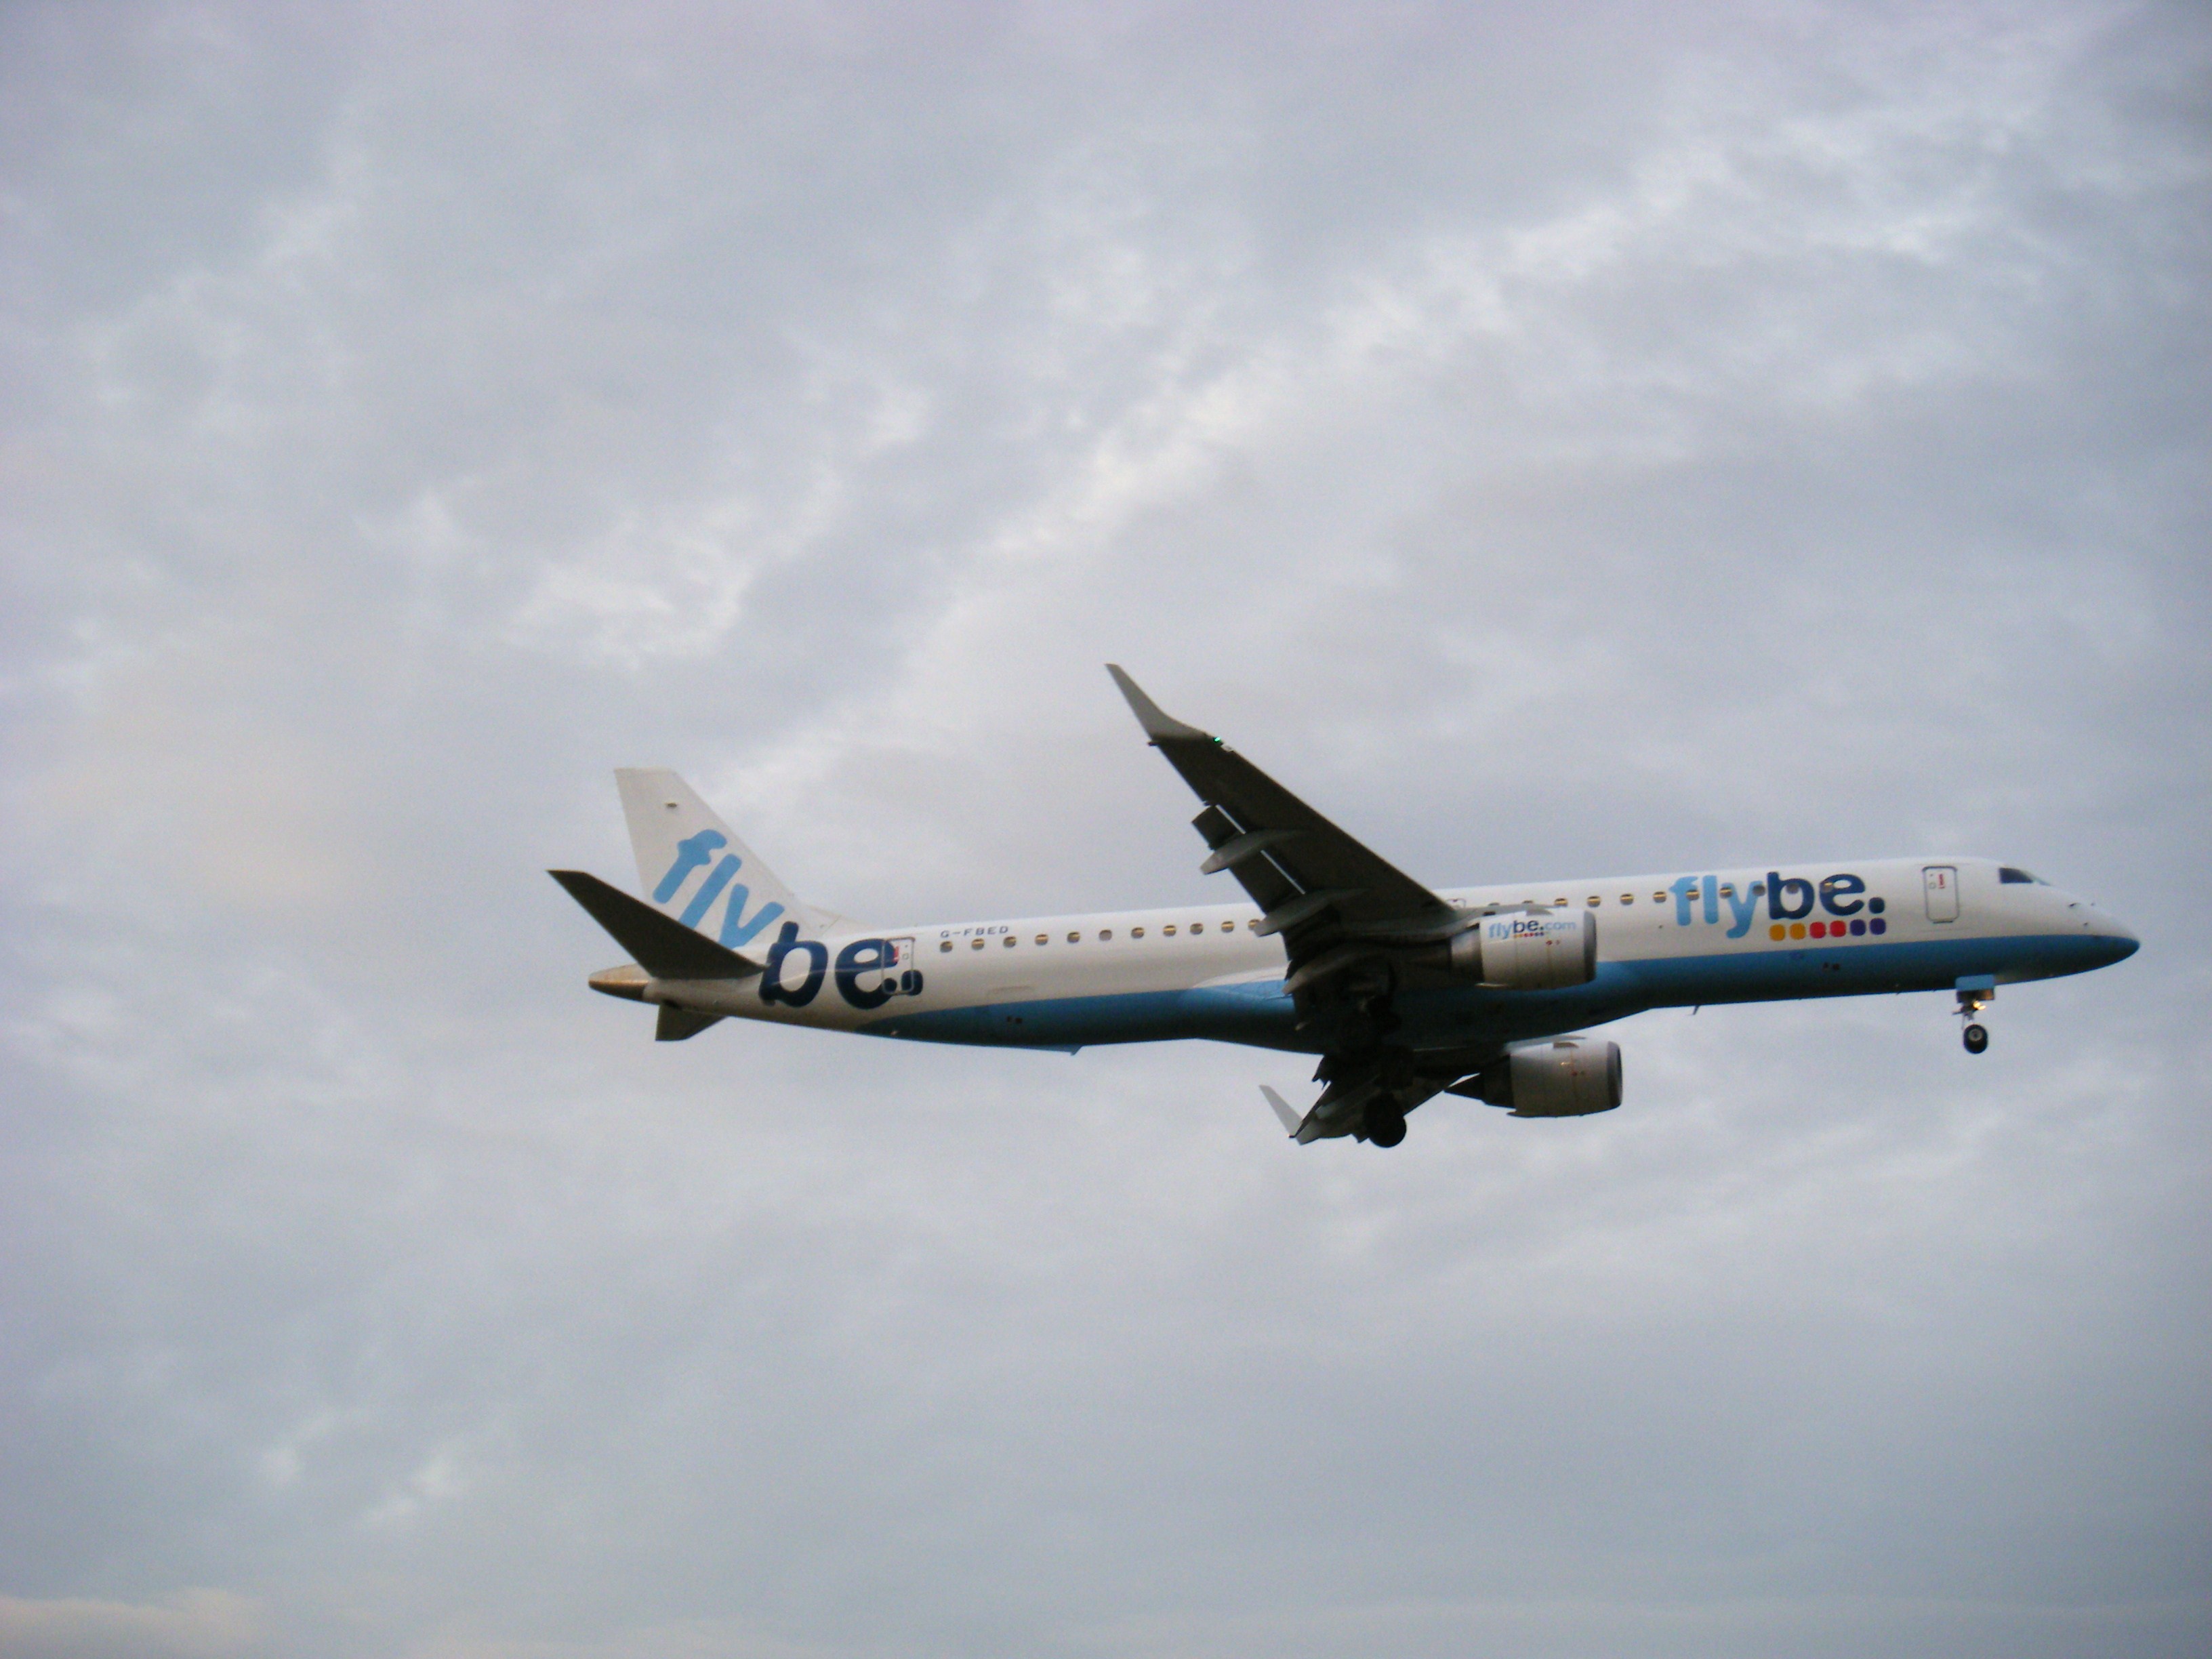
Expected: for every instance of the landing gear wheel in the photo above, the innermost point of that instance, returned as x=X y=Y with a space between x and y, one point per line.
x=1978 y=1039
x=1386 y=1129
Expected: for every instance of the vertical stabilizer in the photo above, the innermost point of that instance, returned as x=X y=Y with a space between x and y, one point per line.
x=692 y=867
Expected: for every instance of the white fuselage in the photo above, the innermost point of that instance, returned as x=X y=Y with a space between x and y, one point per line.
x=1205 y=971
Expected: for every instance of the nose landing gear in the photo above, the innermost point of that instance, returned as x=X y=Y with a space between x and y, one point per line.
x=1972 y=1001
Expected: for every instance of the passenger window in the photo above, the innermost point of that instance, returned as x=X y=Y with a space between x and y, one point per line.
x=1169 y=930
x=1254 y=924
x=976 y=945
x=1628 y=898
x=1759 y=889
x=1044 y=939
x=1595 y=901
x=945 y=945
x=1728 y=890
x=1105 y=933
x=1658 y=898
x=1198 y=927
x=1559 y=900
x=1136 y=932
x=1075 y=938
x=1010 y=941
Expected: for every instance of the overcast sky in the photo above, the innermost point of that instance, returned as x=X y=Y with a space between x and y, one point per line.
x=1644 y=439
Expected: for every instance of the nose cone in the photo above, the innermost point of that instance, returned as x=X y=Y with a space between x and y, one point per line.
x=2112 y=941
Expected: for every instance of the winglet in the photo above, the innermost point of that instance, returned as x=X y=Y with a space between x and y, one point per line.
x=1156 y=723
x=1284 y=1111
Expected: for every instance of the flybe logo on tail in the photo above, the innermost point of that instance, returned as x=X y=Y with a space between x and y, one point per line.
x=869 y=973
x=694 y=852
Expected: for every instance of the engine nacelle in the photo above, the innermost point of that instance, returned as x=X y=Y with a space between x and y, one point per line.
x=1568 y=1077
x=1521 y=950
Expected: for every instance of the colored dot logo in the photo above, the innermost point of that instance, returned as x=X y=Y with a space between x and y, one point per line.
x=1854 y=928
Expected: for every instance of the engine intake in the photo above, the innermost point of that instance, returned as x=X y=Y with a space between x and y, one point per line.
x=1567 y=1077
x=1524 y=951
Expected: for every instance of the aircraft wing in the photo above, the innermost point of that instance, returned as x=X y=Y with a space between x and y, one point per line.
x=1315 y=884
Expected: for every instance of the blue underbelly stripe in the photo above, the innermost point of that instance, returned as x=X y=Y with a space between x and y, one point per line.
x=1259 y=1014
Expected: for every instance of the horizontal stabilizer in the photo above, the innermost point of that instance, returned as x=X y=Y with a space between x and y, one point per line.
x=660 y=945
x=1284 y=1110
x=677 y=1024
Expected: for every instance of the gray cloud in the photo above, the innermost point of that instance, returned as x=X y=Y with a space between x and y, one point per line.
x=1634 y=441
x=195 y=1625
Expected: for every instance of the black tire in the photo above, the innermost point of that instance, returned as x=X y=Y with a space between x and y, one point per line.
x=1977 y=1039
x=1386 y=1129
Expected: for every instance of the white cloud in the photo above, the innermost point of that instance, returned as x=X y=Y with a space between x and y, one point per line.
x=198 y=1623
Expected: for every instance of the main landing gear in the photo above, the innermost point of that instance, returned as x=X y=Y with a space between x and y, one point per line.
x=1971 y=1004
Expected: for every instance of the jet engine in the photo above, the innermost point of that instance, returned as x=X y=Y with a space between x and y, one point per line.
x=1567 y=1077
x=1526 y=950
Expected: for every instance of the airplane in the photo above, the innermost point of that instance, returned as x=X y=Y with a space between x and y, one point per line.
x=1402 y=992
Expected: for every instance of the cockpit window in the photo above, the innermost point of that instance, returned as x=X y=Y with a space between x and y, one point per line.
x=2007 y=874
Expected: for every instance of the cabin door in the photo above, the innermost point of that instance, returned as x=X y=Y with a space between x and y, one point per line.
x=1942 y=883
x=903 y=969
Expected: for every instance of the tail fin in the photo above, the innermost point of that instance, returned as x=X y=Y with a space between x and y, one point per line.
x=689 y=864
